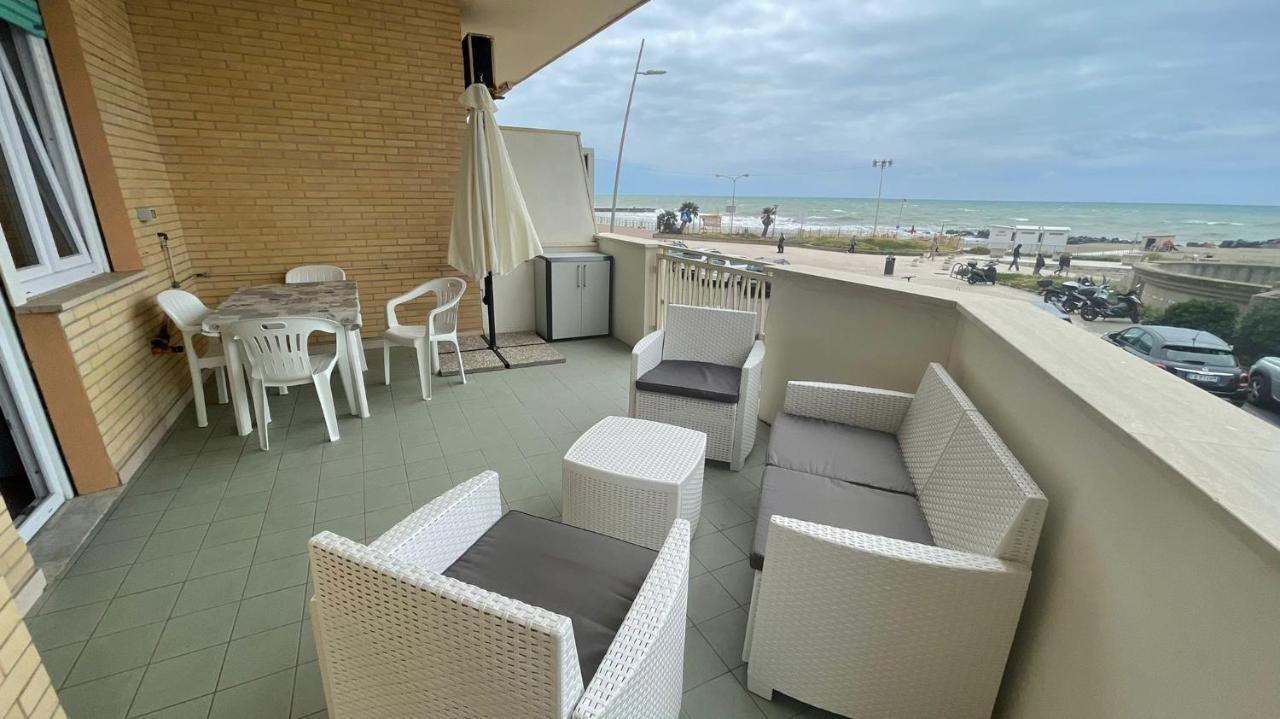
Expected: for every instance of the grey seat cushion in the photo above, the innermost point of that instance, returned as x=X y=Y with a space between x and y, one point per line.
x=699 y=380
x=835 y=503
x=831 y=449
x=589 y=578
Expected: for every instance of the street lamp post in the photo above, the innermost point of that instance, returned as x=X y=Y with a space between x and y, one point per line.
x=733 y=202
x=882 y=164
x=617 y=172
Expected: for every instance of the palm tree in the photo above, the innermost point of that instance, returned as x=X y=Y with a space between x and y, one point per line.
x=767 y=217
x=688 y=211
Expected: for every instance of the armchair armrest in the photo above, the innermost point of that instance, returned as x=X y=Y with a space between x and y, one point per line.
x=867 y=407
x=435 y=536
x=641 y=673
x=647 y=353
x=753 y=363
x=412 y=294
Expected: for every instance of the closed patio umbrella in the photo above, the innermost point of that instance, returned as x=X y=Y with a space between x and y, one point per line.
x=491 y=231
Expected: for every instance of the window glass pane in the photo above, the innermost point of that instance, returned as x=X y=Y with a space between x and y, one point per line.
x=16 y=235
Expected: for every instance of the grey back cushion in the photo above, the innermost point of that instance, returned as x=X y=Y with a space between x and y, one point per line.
x=839 y=451
x=589 y=578
x=930 y=420
x=837 y=504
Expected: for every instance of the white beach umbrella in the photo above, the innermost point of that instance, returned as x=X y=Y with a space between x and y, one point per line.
x=492 y=232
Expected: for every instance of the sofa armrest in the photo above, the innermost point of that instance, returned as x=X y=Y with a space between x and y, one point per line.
x=866 y=407
x=860 y=607
x=435 y=536
x=641 y=674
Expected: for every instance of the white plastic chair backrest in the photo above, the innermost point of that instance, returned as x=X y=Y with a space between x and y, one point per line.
x=278 y=349
x=708 y=334
x=183 y=308
x=314 y=273
x=444 y=318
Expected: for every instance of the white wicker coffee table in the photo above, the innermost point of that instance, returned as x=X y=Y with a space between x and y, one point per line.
x=631 y=478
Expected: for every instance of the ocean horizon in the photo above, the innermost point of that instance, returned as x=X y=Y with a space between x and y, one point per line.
x=1124 y=220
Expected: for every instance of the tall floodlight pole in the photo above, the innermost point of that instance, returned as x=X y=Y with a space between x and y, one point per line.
x=617 y=172
x=733 y=203
x=882 y=164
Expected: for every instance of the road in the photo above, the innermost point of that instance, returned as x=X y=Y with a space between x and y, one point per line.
x=925 y=272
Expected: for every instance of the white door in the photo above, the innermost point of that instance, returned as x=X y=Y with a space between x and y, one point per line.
x=595 y=298
x=33 y=478
x=566 y=300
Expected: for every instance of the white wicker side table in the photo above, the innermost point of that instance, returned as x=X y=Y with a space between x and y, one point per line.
x=631 y=478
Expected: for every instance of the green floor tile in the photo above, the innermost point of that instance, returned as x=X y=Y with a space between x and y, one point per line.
x=308 y=691
x=84 y=589
x=260 y=654
x=157 y=573
x=275 y=575
x=106 y=698
x=194 y=709
x=269 y=611
x=180 y=679
x=211 y=591
x=720 y=698
x=165 y=544
x=233 y=530
x=101 y=556
x=54 y=629
x=58 y=662
x=265 y=698
x=115 y=653
x=190 y=632
x=715 y=551
x=135 y=610
x=223 y=557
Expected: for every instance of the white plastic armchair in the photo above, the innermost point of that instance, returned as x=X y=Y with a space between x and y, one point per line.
x=441 y=326
x=314 y=273
x=395 y=637
x=717 y=336
x=279 y=354
x=186 y=311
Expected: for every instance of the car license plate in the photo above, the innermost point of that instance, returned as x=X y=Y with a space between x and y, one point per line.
x=1198 y=377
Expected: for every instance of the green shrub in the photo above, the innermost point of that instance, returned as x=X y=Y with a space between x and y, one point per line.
x=1215 y=316
x=978 y=250
x=1259 y=332
x=668 y=222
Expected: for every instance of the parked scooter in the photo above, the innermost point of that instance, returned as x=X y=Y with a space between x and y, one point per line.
x=986 y=273
x=1073 y=295
x=1103 y=306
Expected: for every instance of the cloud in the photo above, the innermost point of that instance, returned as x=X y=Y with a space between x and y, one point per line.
x=1164 y=100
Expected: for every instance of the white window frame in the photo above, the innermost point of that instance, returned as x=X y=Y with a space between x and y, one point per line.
x=59 y=162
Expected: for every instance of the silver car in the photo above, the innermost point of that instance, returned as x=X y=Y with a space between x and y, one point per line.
x=1264 y=382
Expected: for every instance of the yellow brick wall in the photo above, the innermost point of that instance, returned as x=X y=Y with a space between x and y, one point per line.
x=299 y=132
x=129 y=388
x=25 y=689
x=16 y=565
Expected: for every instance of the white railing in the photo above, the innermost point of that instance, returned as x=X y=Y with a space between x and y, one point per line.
x=704 y=279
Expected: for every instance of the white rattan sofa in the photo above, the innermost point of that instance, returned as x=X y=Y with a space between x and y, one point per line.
x=893 y=551
x=399 y=636
x=702 y=371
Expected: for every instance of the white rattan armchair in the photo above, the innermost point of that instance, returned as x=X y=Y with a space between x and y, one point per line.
x=397 y=638
x=716 y=336
x=877 y=627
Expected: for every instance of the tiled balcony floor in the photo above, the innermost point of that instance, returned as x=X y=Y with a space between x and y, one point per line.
x=189 y=600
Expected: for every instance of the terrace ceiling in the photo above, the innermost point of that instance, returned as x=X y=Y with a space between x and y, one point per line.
x=529 y=34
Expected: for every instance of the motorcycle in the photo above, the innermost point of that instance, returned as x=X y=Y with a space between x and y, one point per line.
x=976 y=274
x=1103 y=306
x=1073 y=295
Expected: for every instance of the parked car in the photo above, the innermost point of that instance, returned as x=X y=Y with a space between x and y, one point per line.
x=1264 y=382
x=1199 y=357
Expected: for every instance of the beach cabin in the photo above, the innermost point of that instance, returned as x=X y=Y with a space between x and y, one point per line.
x=1044 y=239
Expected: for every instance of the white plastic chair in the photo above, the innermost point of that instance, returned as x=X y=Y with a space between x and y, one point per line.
x=314 y=273
x=279 y=355
x=441 y=326
x=323 y=273
x=187 y=312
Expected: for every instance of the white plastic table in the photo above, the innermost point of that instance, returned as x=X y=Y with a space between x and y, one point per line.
x=631 y=478
x=336 y=301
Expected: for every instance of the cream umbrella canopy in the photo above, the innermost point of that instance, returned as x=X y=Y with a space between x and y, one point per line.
x=492 y=232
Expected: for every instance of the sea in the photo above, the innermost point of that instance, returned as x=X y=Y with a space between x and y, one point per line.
x=1123 y=221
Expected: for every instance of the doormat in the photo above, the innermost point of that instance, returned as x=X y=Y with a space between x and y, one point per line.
x=527 y=355
x=474 y=361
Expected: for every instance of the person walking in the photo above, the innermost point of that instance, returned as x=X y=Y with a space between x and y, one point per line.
x=1017 y=252
x=1039 y=264
x=933 y=248
x=1064 y=261
x=853 y=245
x=782 y=241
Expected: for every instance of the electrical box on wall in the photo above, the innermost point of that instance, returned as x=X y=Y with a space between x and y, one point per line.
x=146 y=214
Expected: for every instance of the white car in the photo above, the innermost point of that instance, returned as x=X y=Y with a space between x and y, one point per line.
x=1264 y=382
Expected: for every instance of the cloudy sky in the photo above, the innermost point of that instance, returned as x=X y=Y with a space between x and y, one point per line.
x=1084 y=100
